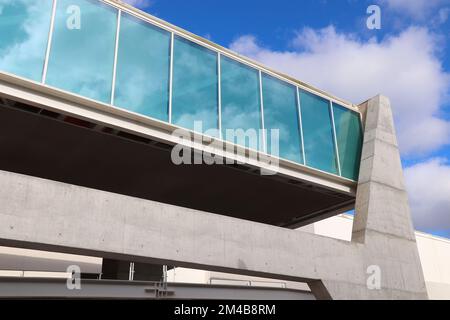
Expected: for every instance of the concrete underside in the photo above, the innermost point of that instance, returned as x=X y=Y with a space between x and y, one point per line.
x=65 y=150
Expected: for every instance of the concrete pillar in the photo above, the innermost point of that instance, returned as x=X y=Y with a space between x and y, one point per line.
x=382 y=219
x=382 y=202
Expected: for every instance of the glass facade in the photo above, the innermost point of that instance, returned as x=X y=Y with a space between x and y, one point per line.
x=281 y=113
x=320 y=151
x=195 y=86
x=349 y=139
x=241 y=103
x=82 y=56
x=136 y=72
x=24 y=29
x=143 y=67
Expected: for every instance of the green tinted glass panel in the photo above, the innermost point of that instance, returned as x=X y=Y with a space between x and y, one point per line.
x=318 y=134
x=281 y=113
x=82 y=56
x=349 y=139
x=195 y=86
x=241 y=105
x=24 y=29
x=143 y=62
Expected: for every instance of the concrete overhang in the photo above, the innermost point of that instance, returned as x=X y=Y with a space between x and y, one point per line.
x=48 y=133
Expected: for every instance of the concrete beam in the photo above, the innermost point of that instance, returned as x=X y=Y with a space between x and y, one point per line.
x=48 y=214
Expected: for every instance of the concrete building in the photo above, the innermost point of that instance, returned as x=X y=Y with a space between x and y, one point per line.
x=133 y=141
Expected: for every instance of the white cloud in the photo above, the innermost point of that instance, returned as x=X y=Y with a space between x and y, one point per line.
x=139 y=3
x=416 y=9
x=23 y=55
x=404 y=67
x=428 y=184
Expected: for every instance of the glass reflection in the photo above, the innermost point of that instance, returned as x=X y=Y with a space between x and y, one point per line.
x=318 y=134
x=24 y=29
x=281 y=112
x=195 y=86
x=82 y=56
x=241 y=105
x=143 y=62
x=349 y=139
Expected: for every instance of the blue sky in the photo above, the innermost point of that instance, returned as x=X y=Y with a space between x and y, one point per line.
x=326 y=43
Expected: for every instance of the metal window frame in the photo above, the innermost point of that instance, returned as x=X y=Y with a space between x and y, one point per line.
x=361 y=128
x=223 y=51
x=219 y=93
x=49 y=42
x=336 y=147
x=300 y=120
x=263 y=123
x=172 y=43
x=202 y=42
x=116 y=50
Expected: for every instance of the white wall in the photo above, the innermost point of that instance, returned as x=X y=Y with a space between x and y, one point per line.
x=435 y=257
x=434 y=253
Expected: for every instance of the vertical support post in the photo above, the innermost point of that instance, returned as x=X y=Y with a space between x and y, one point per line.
x=300 y=120
x=336 y=147
x=116 y=49
x=263 y=128
x=172 y=42
x=381 y=201
x=219 y=94
x=49 y=42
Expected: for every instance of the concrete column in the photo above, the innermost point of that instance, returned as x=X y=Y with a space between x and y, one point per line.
x=382 y=218
x=382 y=202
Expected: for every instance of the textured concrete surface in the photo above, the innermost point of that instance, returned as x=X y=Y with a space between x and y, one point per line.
x=382 y=216
x=37 y=213
x=86 y=221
